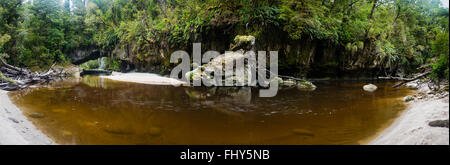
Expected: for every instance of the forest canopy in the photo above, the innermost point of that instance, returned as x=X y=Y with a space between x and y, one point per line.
x=37 y=33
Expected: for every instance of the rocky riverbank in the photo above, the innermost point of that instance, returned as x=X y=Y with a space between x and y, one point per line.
x=423 y=123
x=15 y=128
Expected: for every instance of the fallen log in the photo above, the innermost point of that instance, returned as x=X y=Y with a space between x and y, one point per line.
x=290 y=77
x=394 y=78
x=404 y=81
x=281 y=76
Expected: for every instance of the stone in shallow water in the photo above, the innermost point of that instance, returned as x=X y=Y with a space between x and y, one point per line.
x=370 y=88
x=302 y=132
x=408 y=98
x=154 y=131
x=66 y=133
x=36 y=115
x=59 y=110
x=118 y=131
x=306 y=86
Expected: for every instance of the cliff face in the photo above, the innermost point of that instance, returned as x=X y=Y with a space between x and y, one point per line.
x=305 y=57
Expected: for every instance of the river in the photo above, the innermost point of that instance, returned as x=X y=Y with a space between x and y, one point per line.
x=94 y=110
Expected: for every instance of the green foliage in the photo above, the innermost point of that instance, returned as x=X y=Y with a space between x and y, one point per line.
x=440 y=49
x=440 y=68
x=3 y=39
x=395 y=32
x=112 y=64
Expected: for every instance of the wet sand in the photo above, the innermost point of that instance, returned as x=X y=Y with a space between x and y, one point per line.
x=412 y=128
x=15 y=129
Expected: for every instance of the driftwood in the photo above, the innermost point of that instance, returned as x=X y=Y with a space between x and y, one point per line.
x=15 y=78
x=404 y=80
x=281 y=76
x=290 y=77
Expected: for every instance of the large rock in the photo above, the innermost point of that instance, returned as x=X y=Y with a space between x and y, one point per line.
x=243 y=42
x=370 y=88
x=36 y=115
x=217 y=65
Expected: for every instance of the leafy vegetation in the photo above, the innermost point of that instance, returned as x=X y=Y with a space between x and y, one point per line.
x=396 y=33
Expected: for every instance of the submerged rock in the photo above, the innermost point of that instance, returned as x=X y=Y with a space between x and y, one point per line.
x=36 y=115
x=118 y=130
x=66 y=133
x=370 y=88
x=306 y=86
x=195 y=95
x=408 y=98
x=302 y=132
x=154 y=131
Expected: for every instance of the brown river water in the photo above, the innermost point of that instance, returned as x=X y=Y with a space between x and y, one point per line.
x=93 y=110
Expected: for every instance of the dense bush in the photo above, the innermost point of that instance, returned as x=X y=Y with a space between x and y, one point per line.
x=395 y=31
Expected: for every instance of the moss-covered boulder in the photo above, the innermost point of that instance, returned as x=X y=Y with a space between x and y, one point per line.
x=408 y=98
x=306 y=86
x=217 y=66
x=243 y=42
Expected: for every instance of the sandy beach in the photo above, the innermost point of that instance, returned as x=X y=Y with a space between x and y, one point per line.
x=144 y=78
x=15 y=128
x=412 y=128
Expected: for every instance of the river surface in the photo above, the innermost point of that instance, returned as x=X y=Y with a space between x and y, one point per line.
x=94 y=110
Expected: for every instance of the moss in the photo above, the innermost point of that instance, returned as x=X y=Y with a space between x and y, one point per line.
x=243 y=39
x=360 y=45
